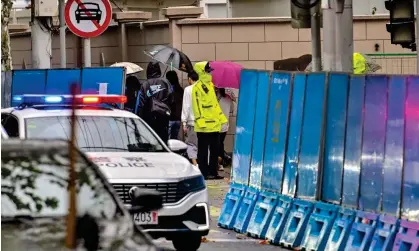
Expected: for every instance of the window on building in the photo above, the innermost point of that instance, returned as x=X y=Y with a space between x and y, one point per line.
x=218 y=10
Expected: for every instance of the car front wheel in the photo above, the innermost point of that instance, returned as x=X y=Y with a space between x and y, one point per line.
x=189 y=243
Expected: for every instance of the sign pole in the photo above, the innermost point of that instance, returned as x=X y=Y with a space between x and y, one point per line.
x=63 y=53
x=417 y=36
x=87 y=52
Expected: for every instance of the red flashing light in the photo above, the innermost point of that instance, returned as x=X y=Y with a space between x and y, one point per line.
x=90 y=100
x=105 y=99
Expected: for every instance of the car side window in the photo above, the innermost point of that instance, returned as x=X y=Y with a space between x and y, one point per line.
x=11 y=124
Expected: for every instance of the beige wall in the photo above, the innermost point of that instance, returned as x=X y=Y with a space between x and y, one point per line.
x=259 y=43
x=255 y=43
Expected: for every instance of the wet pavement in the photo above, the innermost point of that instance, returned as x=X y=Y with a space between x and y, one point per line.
x=220 y=239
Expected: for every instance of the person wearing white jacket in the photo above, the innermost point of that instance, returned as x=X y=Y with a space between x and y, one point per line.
x=226 y=103
x=188 y=119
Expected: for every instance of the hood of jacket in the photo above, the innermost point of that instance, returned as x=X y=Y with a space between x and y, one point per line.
x=153 y=70
x=199 y=68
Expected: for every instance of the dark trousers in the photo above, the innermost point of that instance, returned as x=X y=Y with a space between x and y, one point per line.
x=208 y=141
x=160 y=125
x=174 y=128
x=222 y=138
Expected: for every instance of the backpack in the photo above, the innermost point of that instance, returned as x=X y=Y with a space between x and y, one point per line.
x=159 y=107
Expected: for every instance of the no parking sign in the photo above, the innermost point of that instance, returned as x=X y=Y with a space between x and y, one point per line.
x=88 y=18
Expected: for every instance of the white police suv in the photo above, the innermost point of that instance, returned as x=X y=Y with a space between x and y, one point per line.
x=130 y=155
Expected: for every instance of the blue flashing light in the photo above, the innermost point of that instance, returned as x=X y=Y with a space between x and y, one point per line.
x=17 y=98
x=53 y=99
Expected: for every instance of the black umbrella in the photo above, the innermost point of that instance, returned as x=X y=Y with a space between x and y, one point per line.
x=171 y=57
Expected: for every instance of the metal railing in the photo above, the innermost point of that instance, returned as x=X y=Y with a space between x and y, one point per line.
x=395 y=63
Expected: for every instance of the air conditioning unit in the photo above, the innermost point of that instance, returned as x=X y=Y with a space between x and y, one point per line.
x=46 y=8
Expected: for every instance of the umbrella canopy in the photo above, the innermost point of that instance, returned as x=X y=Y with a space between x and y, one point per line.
x=226 y=74
x=293 y=64
x=129 y=67
x=171 y=57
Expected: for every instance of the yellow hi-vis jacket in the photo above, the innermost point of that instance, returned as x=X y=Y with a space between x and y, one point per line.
x=360 y=64
x=208 y=115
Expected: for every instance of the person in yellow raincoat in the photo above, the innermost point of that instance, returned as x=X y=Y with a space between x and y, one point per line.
x=360 y=64
x=208 y=120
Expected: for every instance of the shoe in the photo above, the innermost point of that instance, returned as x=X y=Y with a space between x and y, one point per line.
x=221 y=168
x=212 y=177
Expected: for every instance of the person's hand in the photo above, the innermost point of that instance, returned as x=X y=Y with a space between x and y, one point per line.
x=185 y=129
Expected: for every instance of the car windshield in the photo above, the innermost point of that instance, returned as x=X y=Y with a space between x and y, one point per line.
x=97 y=133
x=34 y=182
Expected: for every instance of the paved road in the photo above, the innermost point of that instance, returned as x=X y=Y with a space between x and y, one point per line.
x=220 y=239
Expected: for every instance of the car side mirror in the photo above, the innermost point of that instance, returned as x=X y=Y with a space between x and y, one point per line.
x=143 y=200
x=177 y=146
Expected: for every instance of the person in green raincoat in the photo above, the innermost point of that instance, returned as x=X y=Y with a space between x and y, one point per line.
x=208 y=120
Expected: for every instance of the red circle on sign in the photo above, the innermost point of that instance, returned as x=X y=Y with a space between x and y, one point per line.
x=98 y=31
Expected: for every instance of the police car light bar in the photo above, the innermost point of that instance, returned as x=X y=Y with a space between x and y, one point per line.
x=34 y=99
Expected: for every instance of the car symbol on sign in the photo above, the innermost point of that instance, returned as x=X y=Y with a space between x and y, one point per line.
x=88 y=11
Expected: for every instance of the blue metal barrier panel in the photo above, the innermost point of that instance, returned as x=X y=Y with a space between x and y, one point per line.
x=294 y=136
x=259 y=131
x=59 y=80
x=353 y=142
x=341 y=230
x=276 y=131
x=393 y=161
x=410 y=195
x=385 y=233
x=312 y=136
x=337 y=98
x=244 y=126
x=28 y=82
x=113 y=76
x=373 y=147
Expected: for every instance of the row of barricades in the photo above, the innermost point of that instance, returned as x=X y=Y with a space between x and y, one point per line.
x=326 y=161
x=296 y=223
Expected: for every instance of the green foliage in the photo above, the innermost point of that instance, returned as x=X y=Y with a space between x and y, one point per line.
x=21 y=174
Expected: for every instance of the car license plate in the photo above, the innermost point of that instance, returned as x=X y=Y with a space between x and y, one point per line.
x=148 y=218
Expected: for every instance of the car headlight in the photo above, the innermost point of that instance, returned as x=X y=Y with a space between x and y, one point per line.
x=194 y=184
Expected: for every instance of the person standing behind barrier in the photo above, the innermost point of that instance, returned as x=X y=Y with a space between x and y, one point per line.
x=225 y=102
x=188 y=119
x=208 y=120
x=154 y=101
x=176 y=108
